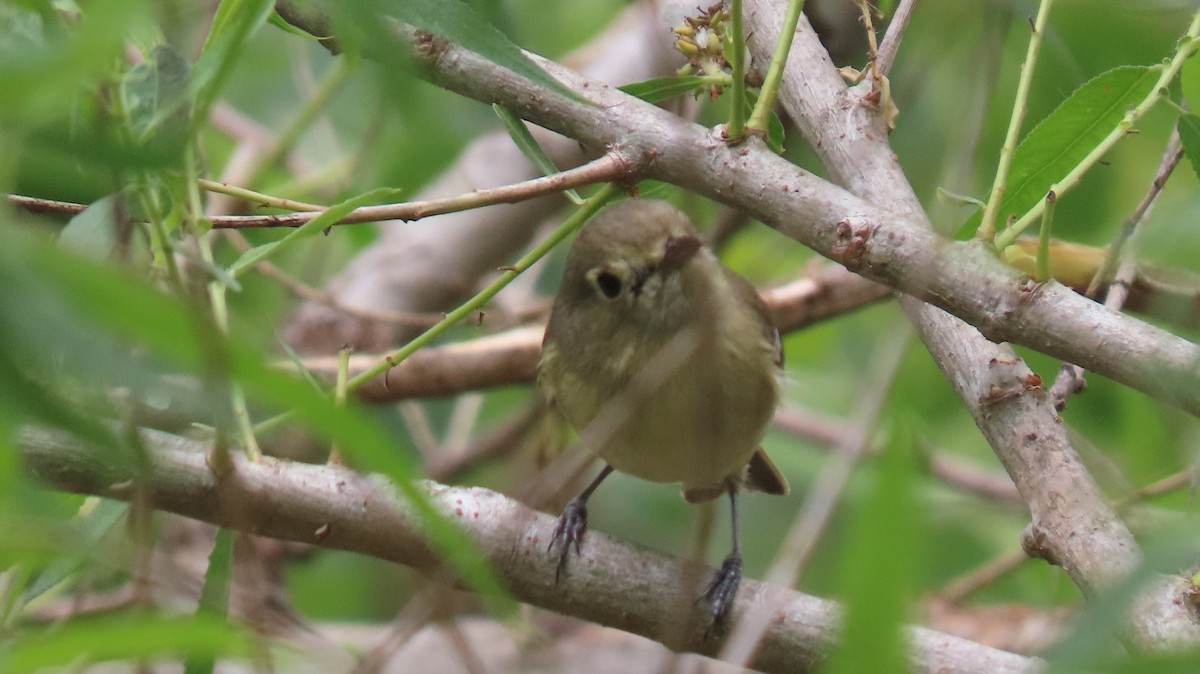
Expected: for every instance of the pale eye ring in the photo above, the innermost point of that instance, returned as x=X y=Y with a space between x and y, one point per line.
x=609 y=284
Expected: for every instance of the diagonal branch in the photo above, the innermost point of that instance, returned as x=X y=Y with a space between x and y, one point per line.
x=962 y=278
x=1073 y=526
x=614 y=583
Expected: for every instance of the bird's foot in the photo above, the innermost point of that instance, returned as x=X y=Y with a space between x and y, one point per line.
x=572 y=524
x=721 y=592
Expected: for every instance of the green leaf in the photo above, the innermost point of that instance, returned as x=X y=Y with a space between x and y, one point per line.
x=94 y=231
x=1067 y=135
x=86 y=640
x=529 y=146
x=1185 y=89
x=661 y=88
x=232 y=25
x=945 y=196
x=775 y=132
x=118 y=306
x=1189 y=137
x=327 y=217
x=156 y=100
x=880 y=569
x=214 y=598
x=461 y=24
x=281 y=23
x=40 y=67
x=94 y=526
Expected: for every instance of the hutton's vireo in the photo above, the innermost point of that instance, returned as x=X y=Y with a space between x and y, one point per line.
x=666 y=363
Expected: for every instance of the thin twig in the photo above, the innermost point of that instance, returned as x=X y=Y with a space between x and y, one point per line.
x=1117 y=252
x=891 y=39
x=987 y=573
x=1186 y=47
x=1170 y=483
x=446 y=466
x=987 y=226
x=609 y=167
x=1070 y=378
x=953 y=471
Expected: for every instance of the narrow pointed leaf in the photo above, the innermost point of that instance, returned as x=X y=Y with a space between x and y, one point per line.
x=1062 y=140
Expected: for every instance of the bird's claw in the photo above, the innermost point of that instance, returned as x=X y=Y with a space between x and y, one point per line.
x=721 y=592
x=572 y=524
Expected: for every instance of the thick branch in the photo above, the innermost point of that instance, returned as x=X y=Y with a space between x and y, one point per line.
x=612 y=583
x=1073 y=525
x=961 y=277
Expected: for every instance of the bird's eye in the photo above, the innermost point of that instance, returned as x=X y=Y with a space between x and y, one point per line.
x=609 y=284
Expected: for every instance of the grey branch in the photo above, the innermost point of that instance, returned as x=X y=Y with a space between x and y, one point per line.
x=426 y=267
x=885 y=246
x=613 y=583
x=1073 y=525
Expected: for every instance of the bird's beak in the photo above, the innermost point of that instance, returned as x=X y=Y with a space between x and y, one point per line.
x=677 y=251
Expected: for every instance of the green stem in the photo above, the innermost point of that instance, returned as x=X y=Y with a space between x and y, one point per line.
x=160 y=242
x=589 y=208
x=258 y=197
x=770 y=87
x=1042 y=273
x=736 y=55
x=339 y=396
x=987 y=226
x=216 y=296
x=1187 y=47
x=333 y=78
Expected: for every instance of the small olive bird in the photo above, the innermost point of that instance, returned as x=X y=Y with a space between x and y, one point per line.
x=666 y=362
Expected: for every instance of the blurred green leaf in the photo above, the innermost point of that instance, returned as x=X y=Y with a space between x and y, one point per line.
x=214 y=598
x=90 y=529
x=233 y=23
x=94 y=231
x=279 y=22
x=37 y=75
x=85 y=640
x=1189 y=137
x=881 y=564
x=132 y=311
x=661 y=88
x=1185 y=89
x=1061 y=140
x=529 y=146
x=156 y=98
x=22 y=30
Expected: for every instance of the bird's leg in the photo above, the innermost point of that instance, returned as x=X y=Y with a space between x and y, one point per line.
x=573 y=523
x=724 y=587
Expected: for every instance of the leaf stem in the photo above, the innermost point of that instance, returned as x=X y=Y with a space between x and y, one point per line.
x=258 y=197
x=1187 y=47
x=1042 y=273
x=987 y=226
x=770 y=87
x=735 y=47
x=339 y=396
x=216 y=294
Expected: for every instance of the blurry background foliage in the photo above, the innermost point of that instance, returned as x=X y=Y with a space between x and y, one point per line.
x=80 y=84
